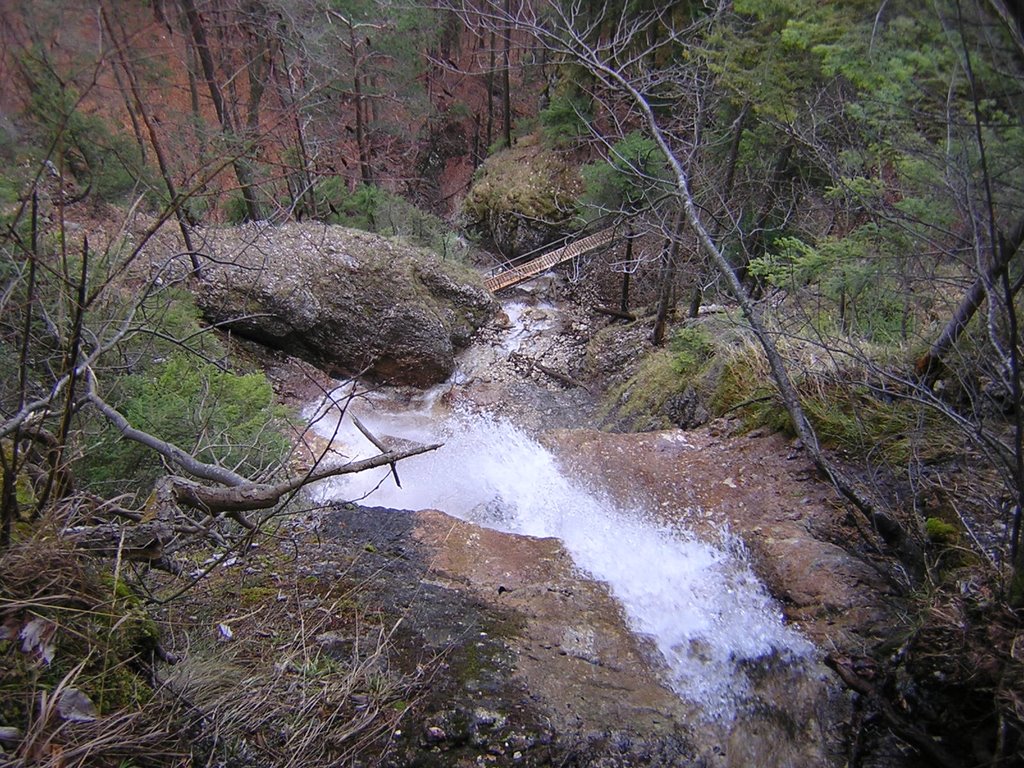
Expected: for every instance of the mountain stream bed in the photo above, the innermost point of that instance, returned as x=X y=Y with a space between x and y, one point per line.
x=713 y=635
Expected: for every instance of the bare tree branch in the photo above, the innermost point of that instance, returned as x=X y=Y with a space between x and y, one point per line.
x=251 y=496
x=235 y=493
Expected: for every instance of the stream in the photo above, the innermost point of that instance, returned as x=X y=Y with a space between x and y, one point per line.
x=697 y=600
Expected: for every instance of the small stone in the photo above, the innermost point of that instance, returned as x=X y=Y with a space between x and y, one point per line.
x=435 y=734
x=75 y=706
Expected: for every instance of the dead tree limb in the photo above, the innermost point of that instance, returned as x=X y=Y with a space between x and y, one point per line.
x=140 y=542
x=899 y=724
x=562 y=377
x=253 y=496
x=378 y=444
x=929 y=366
x=233 y=494
x=563 y=36
x=614 y=312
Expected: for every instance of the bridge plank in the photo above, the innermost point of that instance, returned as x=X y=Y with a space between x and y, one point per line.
x=524 y=272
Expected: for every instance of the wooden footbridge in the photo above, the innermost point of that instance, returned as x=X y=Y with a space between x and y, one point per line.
x=534 y=267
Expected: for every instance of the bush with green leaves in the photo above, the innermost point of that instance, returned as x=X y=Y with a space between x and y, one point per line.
x=855 y=272
x=235 y=210
x=692 y=349
x=632 y=178
x=177 y=392
x=566 y=119
x=101 y=157
x=373 y=209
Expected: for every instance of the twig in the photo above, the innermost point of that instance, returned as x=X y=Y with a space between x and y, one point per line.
x=909 y=733
x=562 y=377
x=614 y=312
x=378 y=444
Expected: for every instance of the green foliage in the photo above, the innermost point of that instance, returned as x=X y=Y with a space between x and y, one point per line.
x=632 y=178
x=741 y=383
x=692 y=349
x=173 y=391
x=638 y=402
x=220 y=417
x=496 y=146
x=565 y=119
x=357 y=208
x=689 y=365
x=940 y=532
x=11 y=180
x=98 y=155
x=856 y=272
x=235 y=209
x=373 y=209
x=895 y=152
x=890 y=433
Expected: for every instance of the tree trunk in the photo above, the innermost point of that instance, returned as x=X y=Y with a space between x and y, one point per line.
x=129 y=107
x=306 y=192
x=365 y=171
x=890 y=530
x=490 y=91
x=191 y=65
x=734 y=153
x=161 y=156
x=243 y=171
x=666 y=289
x=506 y=90
x=929 y=367
x=624 y=299
x=696 y=299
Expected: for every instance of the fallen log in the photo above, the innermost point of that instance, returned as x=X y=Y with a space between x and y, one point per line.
x=614 y=312
x=139 y=541
x=562 y=377
x=218 y=500
x=900 y=725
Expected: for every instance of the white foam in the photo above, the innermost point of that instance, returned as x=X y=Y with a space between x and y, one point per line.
x=701 y=604
x=525 y=322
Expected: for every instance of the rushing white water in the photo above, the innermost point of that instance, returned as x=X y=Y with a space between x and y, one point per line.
x=701 y=604
x=524 y=321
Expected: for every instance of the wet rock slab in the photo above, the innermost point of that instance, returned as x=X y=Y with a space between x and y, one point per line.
x=533 y=663
x=530 y=664
x=761 y=488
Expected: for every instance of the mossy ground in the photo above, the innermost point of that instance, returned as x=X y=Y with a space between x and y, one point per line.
x=68 y=624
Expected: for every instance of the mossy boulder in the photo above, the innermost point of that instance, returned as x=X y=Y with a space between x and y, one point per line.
x=523 y=198
x=347 y=301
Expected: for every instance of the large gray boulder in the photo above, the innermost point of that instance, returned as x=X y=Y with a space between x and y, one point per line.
x=348 y=301
x=524 y=198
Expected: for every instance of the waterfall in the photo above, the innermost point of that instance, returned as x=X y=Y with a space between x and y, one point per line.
x=699 y=602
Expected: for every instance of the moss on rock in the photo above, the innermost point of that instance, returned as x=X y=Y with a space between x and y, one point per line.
x=523 y=197
x=347 y=301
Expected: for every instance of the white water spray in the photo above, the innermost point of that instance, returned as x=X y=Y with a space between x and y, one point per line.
x=701 y=604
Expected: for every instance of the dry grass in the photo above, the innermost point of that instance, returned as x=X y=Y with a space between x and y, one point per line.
x=283 y=668
x=292 y=701
x=73 y=682
x=305 y=679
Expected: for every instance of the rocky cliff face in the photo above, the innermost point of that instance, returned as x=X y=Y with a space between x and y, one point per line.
x=348 y=301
